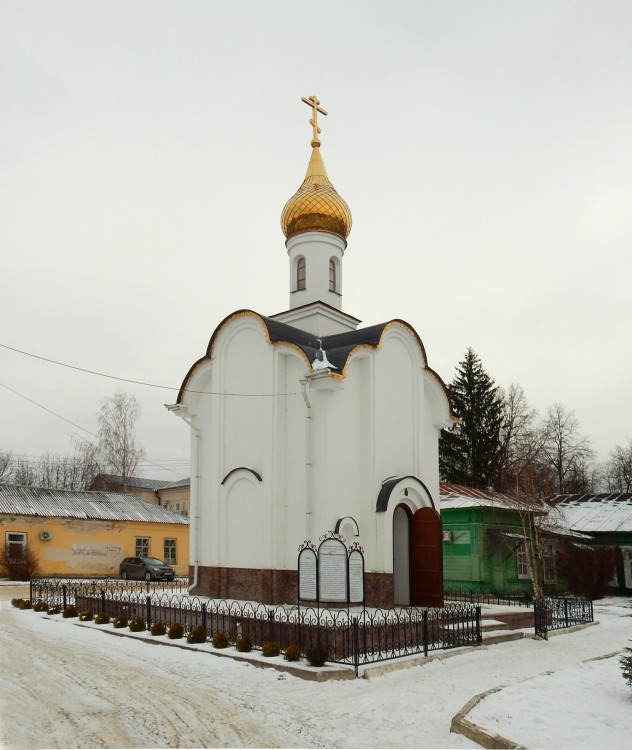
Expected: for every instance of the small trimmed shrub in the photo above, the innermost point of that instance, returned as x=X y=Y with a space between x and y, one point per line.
x=54 y=609
x=197 y=634
x=158 y=628
x=220 y=639
x=70 y=611
x=316 y=656
x=244 y=644
x=86 y=616
x=625 y=663
x=120 y=621
x=102 y=618
x=25 y=604
x=271 y=648
x=16 y=602
x=137 y=625
x=40 y=607
x=293 y=653
x=175 y=631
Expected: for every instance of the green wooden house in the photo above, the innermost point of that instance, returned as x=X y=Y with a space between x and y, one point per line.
x=485 y=534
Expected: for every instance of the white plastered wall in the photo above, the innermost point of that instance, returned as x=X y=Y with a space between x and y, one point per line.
x=379 y=421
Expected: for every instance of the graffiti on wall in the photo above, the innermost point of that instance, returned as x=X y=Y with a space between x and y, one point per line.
x=96 y=550
x=101 y=558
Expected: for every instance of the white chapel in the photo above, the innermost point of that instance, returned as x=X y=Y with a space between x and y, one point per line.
x=304 y=424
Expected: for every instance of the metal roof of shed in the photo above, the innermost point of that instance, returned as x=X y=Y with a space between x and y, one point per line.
x=462 y=496
x=139 y=482
x=603 y=512
x=18 y=500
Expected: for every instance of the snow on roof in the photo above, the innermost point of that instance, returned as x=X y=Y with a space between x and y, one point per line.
x=601 y=512
x=180 y=483
x=462 y=496
x=139 y=482
x=112 y=506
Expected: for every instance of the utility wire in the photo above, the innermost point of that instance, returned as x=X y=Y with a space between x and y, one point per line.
x=79 y=427
x=140 y=382
x=50 y=411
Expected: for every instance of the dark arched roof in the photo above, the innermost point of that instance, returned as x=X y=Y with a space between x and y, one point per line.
x=387 y=488
x=338 y=346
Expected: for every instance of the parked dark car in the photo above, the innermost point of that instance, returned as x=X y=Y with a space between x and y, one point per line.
x=148 y=568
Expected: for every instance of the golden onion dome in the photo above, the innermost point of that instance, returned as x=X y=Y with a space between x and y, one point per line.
x=316 y=206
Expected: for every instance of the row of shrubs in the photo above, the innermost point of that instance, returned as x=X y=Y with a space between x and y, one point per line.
x=316 y=655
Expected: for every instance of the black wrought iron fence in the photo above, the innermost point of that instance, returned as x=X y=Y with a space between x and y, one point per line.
x=61 y=590
x=501 y=599
x=557 y=612
x=354 y=638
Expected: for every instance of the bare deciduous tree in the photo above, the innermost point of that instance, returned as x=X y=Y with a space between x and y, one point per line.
x=519 y=438
x=6 y=462
x=618 y=470
x=74 y=472
x=566 y=451
x=116 y=450
x=24 y=472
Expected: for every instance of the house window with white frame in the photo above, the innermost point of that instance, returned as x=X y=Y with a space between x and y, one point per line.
x=141 y=548
x=548 y=560
x=332 y=276
x=522 y=559
x=170 y=549
x=16 y=544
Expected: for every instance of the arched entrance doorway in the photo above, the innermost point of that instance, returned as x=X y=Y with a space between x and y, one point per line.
x=426 y=559
x=401 y=556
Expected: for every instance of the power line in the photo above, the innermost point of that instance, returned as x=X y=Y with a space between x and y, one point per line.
x=140 y=382
x=50 y=411
x=79 y=427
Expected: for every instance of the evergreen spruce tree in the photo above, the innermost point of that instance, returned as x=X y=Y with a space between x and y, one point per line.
x=469 y=452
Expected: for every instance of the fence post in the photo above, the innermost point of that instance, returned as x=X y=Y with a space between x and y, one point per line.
x=102 y=600
x=204 y=615
x=270 y=624
x=566 y=611
x=425 y=631
x=355 y=644
x=479 y=634
x=148 y=600
x=63 y=596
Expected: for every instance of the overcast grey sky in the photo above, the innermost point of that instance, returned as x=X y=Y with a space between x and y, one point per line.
x=147 y=149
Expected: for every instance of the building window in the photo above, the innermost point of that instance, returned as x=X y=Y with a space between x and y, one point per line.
x=548 y=559
x=142 y=546
x=332 y=275
x=522 y=557
x=300 y=274
x=170 y=551
x=16 y=545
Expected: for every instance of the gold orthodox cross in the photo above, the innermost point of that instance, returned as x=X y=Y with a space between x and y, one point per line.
x=313 y=102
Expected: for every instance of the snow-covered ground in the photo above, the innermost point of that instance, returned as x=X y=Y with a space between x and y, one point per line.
x=66 y=685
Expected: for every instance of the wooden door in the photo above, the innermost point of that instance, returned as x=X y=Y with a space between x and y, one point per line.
x=426 y=559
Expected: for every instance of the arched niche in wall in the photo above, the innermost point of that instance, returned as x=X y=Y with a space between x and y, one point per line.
x=245 y=541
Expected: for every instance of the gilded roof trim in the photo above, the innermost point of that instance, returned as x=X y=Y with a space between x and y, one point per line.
x=340 y=347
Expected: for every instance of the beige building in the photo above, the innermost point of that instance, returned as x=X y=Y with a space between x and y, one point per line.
x=85 y=533
x=171 y=495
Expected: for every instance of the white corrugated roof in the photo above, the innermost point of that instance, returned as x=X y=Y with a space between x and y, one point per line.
x=113 y=506
x=462 y=496
x=601 y=512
